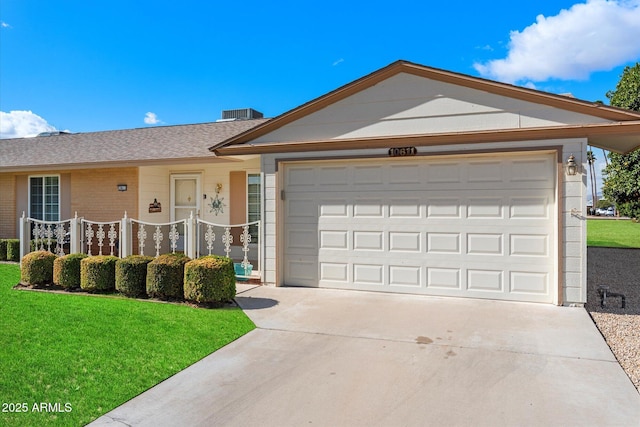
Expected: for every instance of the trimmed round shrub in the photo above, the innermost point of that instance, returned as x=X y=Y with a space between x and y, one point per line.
x=98 y=273
x=37 y=268
x=66 y=270
x=165 y=276
x=210 y=279
x=13 y=250
x=3 y=249
x=131 y=275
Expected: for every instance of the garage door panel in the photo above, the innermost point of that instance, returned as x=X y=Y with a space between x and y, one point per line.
x=444 y=278
x=470 y=227
x=301 y=208
x=484 y=280
x=529 y=245
x=405 y=208
x=532 y=171
x=366 y=240
x=527 y=282
x=302 y=271
x=444 y=243
x=485 y=208
x=444 y=173
x=444 y=208
x=368 y=274
x=405 y=276
x=405 y=174
x=334 y=208
x=485 y=172
x=301 y=241
x=334 y=271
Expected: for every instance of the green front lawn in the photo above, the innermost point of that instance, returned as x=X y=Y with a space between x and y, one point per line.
x=613 y=233
x=67 y=359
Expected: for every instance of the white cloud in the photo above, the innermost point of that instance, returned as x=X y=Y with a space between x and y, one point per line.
x=151 y=119
x=338 y=61
x=19 y=124
x=5 y=25
x=594 y=36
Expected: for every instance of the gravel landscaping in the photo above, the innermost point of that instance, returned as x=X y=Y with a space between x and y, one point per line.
x=620 y=270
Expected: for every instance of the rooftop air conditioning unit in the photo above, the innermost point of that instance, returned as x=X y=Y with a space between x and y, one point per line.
x=241 y=114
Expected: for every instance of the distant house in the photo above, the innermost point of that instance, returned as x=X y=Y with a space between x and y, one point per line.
x=410 y=179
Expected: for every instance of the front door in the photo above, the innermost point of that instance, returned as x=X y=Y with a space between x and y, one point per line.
x=185 y=196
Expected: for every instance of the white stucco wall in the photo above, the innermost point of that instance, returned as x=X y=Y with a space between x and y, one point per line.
x=406 y=104
x=155 y=183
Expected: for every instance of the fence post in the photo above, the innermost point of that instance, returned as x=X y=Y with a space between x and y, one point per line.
x=75 y=230
x=190 y=233
x=25 y=236
x=125 y=236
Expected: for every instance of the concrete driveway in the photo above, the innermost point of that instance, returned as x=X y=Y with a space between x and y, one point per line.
x=344 y=358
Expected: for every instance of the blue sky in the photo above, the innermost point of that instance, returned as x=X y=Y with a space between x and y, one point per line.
x=88 y=66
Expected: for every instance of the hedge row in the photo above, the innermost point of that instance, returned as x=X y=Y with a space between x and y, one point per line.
x=209 y=279
x=10 y=250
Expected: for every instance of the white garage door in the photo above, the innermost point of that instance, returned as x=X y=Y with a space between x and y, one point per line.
x=474 y=227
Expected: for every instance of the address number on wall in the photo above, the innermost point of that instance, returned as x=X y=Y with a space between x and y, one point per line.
x=403 y=151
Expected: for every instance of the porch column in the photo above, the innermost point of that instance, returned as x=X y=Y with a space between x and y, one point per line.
x=25 y=236
x=190 y=234
x=126 y=239
x=75 y=230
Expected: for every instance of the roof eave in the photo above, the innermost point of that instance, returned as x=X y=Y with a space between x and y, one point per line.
x=608 y=136
x=531 y=95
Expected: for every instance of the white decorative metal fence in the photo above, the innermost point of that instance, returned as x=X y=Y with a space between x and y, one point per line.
x=192 y=236
x=175 y=241
x=238 y=242
x=48 y=234
x=103 y=232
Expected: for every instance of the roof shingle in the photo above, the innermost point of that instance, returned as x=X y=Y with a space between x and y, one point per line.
x=142 y=145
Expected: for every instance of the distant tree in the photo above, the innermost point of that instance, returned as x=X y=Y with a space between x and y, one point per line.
x=622 y=183
x=622 y=174
x=604 y=204
x=627 y=92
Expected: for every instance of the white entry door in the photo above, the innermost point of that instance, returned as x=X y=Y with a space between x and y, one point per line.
x=482 y=227
x=185 y=196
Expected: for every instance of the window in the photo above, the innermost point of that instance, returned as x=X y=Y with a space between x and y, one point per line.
x=44 y=198
x=253 y=204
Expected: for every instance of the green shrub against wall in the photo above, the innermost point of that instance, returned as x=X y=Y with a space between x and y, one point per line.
x=210 y=279
x=3 y=249
x=165 y=276
x=131 y=275
x=13 y=250
x=37 y=268
x=66 y=271
x=98 y=273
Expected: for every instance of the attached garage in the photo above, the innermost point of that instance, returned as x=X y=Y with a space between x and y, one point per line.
x=480 y=203
x=481 y=226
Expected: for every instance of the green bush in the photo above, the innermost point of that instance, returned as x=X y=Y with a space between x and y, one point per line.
x=3 y=249
x=37 y=268
x=13 y=250
x=131 y=275
x=210 y=279
x=165 y=276
x=66 y=271
x=98 y=273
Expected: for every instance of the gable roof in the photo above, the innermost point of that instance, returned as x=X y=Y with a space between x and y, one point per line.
x=152 y=145
x=609 y=136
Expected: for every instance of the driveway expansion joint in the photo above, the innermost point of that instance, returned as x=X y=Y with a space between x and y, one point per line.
x=466 y=347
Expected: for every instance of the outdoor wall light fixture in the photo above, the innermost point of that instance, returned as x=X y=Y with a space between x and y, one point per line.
x=122 y=187
x=572 y=167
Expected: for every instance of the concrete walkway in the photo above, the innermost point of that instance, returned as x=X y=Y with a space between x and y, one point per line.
x=341 y=358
